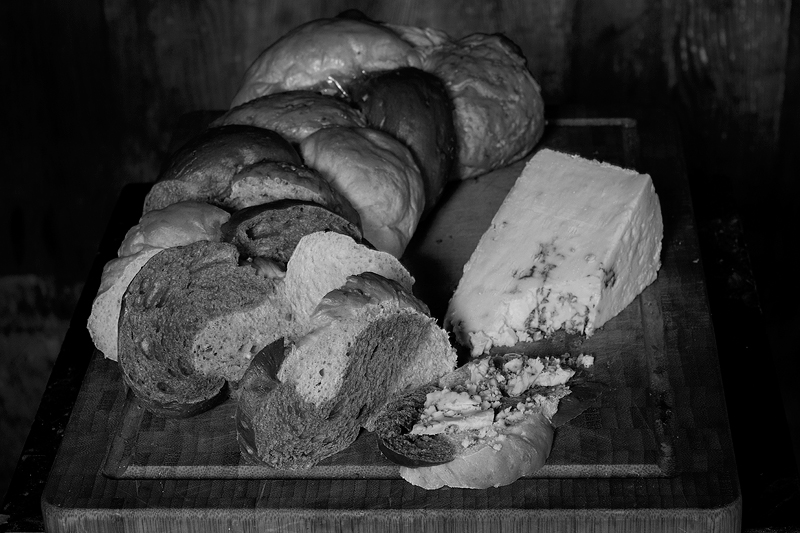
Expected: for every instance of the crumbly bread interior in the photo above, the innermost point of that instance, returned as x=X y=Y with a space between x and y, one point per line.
x=321 y=262
x=317 y=364
x=227 y=343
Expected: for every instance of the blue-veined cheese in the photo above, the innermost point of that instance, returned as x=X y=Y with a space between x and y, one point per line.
x=574 y=242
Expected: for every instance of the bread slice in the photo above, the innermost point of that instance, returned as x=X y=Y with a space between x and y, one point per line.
x=176 y=225
x=273 y=230
x=179 y=300
x=368 y=341
x=483 y=425
x=323 y=261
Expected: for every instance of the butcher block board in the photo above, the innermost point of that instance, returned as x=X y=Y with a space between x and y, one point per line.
x=654 y=450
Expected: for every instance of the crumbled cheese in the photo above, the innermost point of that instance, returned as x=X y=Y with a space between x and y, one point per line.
x=585 y=361
x=473 y=407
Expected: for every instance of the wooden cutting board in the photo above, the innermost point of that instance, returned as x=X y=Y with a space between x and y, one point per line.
x=655 y=451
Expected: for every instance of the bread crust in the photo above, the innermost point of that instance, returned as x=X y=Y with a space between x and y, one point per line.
x=294 y=114
x=378 y=175
x=524 y=451
x=271 y=181
x=203 y=168
x=413 y=106
x=324 y=55
x=499 y=110
x=176 y=225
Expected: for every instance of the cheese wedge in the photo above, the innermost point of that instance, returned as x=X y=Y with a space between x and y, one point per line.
x=574 y=242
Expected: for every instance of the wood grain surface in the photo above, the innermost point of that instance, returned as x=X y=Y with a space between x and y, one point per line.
x=700 y=492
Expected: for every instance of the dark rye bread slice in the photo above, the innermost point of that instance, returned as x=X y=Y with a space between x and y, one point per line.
x=369 y=340
x=415 y=107
x=273 y=230
x=181 y=293
x=203 y=168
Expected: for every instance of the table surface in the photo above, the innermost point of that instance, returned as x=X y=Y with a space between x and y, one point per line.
x=701 y=492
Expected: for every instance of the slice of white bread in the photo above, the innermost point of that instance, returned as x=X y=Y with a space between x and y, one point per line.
x=324 y=55
x=322 y=262
x=368 y=341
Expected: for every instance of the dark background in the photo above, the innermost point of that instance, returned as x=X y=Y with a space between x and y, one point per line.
x=92 y=89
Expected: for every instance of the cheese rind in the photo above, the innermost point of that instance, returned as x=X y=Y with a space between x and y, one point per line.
x=574 y=242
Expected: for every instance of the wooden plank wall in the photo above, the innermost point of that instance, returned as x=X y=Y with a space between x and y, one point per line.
x=99 y=84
